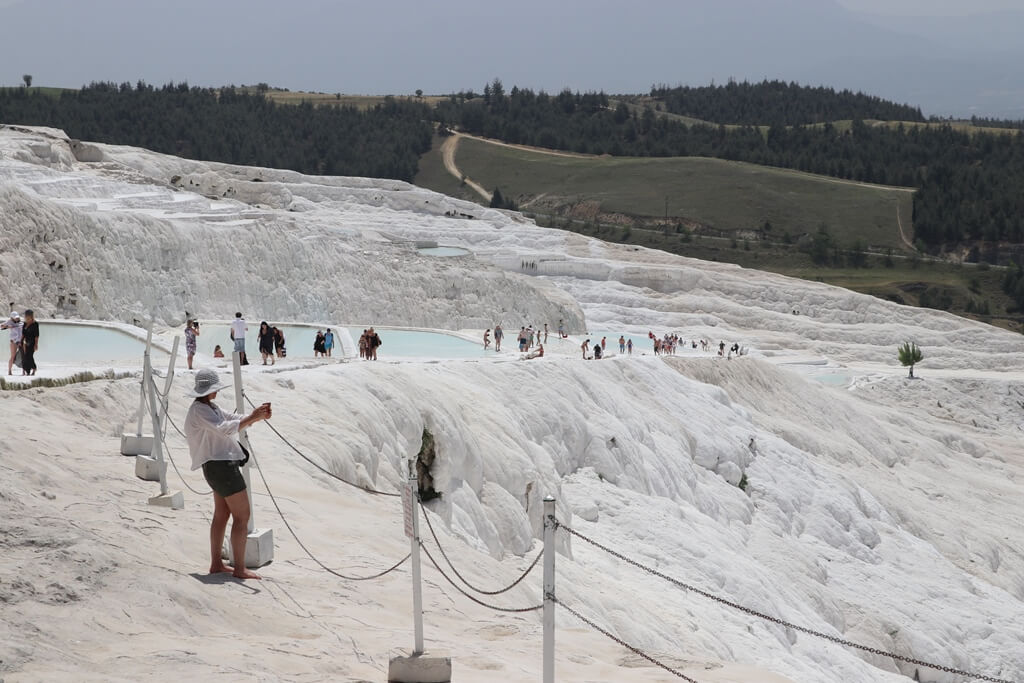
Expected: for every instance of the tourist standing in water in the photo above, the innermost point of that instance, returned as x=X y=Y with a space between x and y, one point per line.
x=29 y=343
x=328 y=342
x=622 y=344
x=238 y=328
x=191 y=332
x=545 y=333
x=212 y=442
x=13 y=323
x=498 y=334
x=265 y=337
x=629 y=347
x=583 y=347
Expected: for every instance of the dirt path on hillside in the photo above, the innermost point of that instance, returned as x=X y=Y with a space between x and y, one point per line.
x=448 y=148
x=903 y=235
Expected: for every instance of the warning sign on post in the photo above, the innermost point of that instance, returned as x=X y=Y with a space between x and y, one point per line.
x=407 y=509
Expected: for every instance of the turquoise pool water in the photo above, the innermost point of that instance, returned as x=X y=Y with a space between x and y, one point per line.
x=66 y=343
x=417 y=344
x=299 y=342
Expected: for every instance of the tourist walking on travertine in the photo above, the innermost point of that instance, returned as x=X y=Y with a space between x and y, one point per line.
x=561 y=329
x=622 y=344
x=212 y=442
x=583 y=347
x=278 y=342
x=13 y=323
x=498 y=334
x=629 y=347
x=191 y=332
x=318 y=344
x=487 y=338
x=375 y=343
x=29 y=343
x=364 y=345
x=545 y=333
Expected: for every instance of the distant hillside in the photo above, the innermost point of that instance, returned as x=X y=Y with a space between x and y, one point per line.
x=966 y=178
x=778 y=103
x=234 y=126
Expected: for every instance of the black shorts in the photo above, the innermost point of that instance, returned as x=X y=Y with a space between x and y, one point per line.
x=224 y=477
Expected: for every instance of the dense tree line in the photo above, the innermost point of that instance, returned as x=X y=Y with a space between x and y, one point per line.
x=234 y=126
x=778 y=103
x=966 y=180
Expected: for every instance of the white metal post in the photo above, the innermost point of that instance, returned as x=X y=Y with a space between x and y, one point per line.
x=243 y=438
x=145 y=378
x=154 y=405
x=167 y=384
x=417 y=590
x=549 y=590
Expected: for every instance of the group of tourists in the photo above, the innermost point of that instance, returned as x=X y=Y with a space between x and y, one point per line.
x=323 y=344
x=24 y=338
x=369 y=342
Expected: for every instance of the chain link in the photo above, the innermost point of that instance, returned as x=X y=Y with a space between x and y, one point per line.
x=781 y=622
x=318 y=465
x=515 y=583
x=474 y=599
x=635 y=650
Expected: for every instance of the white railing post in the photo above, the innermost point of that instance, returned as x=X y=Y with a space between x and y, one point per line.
x=154 y=406
x=167 y=384
x=243 y=438
x=413 y=514
x=145 y=378
x=549 y=590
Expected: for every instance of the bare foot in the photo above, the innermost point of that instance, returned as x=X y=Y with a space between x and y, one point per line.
x=242 y=573
x=221 y=569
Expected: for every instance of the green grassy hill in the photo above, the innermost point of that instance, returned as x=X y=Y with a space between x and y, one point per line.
x=719 y=196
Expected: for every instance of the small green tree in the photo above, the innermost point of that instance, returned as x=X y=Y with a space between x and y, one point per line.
x=28 y=80
x=910 y=354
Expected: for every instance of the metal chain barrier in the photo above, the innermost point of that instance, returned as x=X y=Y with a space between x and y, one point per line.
x=474 y=599
x=515 y=583
x=781 y=622
x=635 y=650
x=318 y=465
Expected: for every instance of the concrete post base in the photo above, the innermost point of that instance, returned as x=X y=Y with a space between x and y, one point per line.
x=429 y=667
x=172 y=499
x=133 y=444
x=148 y=469
x=259 y=548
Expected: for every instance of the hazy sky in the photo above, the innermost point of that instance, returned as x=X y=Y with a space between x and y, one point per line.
x=960 y=65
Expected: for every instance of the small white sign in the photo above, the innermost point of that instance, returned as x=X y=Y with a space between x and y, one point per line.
x=407 y=509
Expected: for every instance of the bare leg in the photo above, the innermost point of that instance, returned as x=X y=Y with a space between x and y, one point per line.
x=238 y=504
x=217 y=528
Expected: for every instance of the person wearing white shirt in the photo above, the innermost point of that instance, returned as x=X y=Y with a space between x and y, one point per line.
x=13 y=323
x=238 y=328
x=212 y=442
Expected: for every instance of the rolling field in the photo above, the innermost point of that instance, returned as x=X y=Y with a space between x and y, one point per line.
x=723 y=195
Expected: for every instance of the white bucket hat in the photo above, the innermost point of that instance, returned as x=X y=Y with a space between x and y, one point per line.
x=15 y=315
x=207 y=382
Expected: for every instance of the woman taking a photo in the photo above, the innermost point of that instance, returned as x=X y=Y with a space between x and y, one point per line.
x=212 y=441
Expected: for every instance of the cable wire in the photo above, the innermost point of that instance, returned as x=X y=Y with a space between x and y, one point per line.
x=635 y=650
x=781 y=622
x=461 y=577
x=474 y=599
x=311 y=556
x=318 y=465
x=167 y=449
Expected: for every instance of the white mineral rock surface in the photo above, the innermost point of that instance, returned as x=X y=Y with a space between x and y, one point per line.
x=884 y=511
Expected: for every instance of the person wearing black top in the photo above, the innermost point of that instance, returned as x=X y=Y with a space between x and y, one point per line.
x=30 y=344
